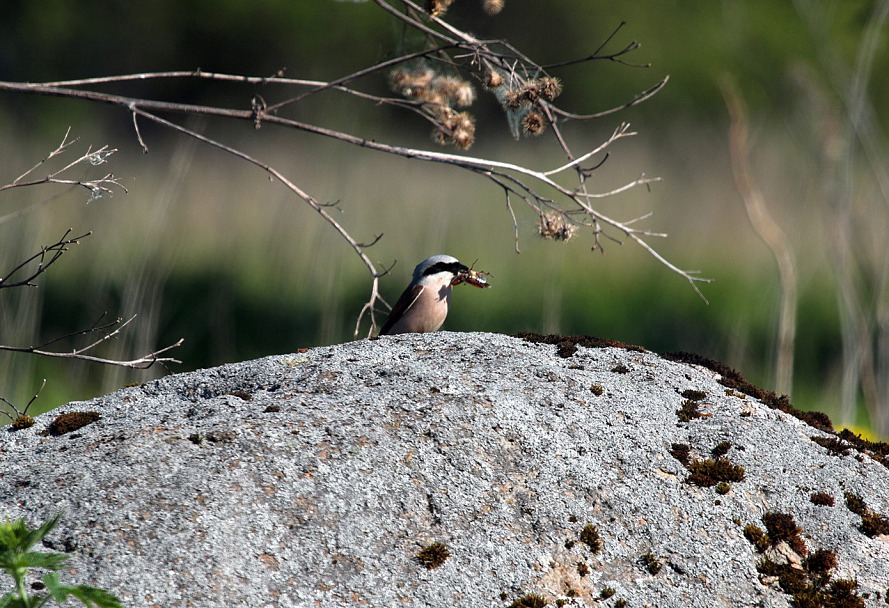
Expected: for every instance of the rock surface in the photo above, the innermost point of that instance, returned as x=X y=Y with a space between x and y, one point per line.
x=316 y=479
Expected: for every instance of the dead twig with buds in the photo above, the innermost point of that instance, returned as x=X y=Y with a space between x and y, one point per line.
x=436 y=83
x=98 y=187
x=21 y=420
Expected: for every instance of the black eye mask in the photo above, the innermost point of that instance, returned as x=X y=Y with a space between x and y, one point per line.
x=452 y=267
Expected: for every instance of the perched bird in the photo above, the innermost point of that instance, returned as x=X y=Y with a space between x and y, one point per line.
x=424 y=304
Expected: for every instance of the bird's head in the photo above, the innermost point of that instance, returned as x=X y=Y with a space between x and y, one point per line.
x=438 y=270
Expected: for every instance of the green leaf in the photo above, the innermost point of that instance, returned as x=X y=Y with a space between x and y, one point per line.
x=89 y=596
x=11 y=535
x=16 y=557
x=99 y=597
x=16 y=537
x=11 y=600
x=35 y=536
x=44 y=559
x=12 y=560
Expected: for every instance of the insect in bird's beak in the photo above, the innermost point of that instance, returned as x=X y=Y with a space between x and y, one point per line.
x=476 y=278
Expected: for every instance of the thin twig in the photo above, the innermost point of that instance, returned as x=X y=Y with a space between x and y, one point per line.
x=143 y=362
x=54 y=251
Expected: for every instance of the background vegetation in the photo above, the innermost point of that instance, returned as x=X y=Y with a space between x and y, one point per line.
x=206 y=248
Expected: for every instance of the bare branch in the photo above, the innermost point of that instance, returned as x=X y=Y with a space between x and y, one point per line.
x=617 y=57
x=524 y=89
x=22 y=415
x=45 y=258
x=83 y=353
x=643 y=96
x=357 y=247
x=97 y=187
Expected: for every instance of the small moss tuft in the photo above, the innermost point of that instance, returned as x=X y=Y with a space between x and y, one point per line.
x=844 y=593
x=606 y=593
x=694 y=395
x=874 y=524
x=821 y=562
x=721 y=449
x=757 y=537
x=689 y=411
x=530 y=600
x=822 y=499
x=782 y=527
x=621 y=603
x=855 y=503
x=582 y=569
x=709 y=472
x=70 y=422
x=723 y=488
x=22 y=422
x=651 y=563
x=434 y=555
x=793 y=581
x=832 y=445
x=597 y=390
x=680 y=451
x=590 y=537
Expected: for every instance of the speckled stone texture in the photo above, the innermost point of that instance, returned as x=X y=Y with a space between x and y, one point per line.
x=315 y=479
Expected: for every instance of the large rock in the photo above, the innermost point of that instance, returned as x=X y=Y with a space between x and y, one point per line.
x=316 y=479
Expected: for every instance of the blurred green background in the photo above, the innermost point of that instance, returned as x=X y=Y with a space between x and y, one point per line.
x=207 y=248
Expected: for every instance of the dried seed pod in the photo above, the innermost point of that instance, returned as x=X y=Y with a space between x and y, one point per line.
x=412 y=84
x=493 y=79
x=533 y=123
x=464 y=138
x=455 y=89
x=492 y=7
x=550 y=87
x=438 y=8
x=513 y=100
x=531 y=91
x=556 y=226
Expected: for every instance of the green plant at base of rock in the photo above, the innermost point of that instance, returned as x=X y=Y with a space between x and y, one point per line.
x=17 y=557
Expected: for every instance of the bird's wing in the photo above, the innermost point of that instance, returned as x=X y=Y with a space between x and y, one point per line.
x=404 y=303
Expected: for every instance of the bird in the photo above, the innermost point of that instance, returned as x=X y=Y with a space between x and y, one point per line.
x=424 y=304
